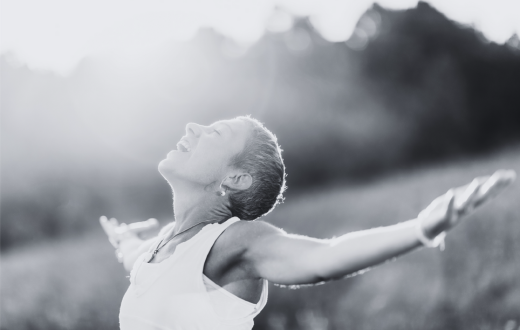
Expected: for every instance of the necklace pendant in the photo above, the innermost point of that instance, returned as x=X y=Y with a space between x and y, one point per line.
x=149 y=256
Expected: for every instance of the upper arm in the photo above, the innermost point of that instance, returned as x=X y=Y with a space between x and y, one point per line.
x=280 y=257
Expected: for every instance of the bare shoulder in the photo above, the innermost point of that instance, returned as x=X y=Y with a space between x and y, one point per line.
x=238 y=237
x=227 y=256
x=246 y=232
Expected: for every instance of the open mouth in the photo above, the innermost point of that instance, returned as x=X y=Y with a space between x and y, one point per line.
x=183 y=146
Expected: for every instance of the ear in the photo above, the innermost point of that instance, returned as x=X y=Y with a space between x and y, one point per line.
x=238 y=181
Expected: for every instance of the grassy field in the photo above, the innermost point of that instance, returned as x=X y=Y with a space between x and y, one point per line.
x=474 y=284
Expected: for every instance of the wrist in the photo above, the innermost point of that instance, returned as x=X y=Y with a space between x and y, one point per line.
x=123 y=236
x=127 y=246
x=435 y=240
x=430 y=228
x=128 y=241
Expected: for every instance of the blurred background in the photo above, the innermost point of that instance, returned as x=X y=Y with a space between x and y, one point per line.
x=379 y=107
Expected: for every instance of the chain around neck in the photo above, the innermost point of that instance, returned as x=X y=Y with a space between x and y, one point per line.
x=185 y=230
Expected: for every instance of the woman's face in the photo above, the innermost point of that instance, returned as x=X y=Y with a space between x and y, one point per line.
x=204 y=153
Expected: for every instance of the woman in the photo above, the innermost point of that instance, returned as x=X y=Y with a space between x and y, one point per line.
x=209 y=269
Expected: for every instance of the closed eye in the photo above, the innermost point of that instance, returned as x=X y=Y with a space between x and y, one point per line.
x=216 y=131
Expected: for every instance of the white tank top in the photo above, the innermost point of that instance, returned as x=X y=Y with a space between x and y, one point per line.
x=175 y=295
x=226 y=304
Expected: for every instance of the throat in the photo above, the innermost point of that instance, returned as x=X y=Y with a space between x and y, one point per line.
x=190 y=209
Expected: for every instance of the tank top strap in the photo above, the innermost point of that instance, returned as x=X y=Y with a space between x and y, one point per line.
x=263 y=298
x=211 y=232
x=216 y=229
x=198 y=246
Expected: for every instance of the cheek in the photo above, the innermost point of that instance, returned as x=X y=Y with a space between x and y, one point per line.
x=209 y=165
x=205 y=165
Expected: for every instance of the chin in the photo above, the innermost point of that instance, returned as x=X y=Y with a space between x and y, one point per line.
x=166 y=167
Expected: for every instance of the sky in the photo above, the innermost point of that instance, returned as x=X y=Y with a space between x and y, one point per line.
x=56 y=34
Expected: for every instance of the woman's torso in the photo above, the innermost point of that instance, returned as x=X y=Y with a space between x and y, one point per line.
x=173 y=294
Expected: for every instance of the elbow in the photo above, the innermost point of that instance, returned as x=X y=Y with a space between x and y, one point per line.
x=326 y=274
x=321 y=267
x=321 y=279
x=343 y=273
x=323 y=276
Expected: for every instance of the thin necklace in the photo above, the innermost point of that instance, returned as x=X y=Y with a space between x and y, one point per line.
x=152 y=255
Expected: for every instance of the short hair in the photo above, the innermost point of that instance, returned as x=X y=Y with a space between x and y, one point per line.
x=262 y=159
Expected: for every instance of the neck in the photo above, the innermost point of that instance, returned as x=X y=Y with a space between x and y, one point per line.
x=192 y=205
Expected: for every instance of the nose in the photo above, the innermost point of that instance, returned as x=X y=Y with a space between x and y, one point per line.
x=194 y=129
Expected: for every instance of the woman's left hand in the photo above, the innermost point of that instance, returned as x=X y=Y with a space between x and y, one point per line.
x=446 y=211
x=117 y=232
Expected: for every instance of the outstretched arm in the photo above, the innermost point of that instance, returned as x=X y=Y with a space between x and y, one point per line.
x=291 y=259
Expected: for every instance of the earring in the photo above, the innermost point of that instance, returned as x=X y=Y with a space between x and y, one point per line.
x=222 y=191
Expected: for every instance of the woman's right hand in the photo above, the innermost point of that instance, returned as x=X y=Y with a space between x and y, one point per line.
x=447 y=210
x=117 y=232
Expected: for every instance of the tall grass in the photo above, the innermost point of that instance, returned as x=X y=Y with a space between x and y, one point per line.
x=475 y=284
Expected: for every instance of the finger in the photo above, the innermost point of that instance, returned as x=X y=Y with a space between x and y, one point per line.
x=114 y=222
x=109 y=230
x=482 y=179
x=450 y=207
x=465 y=201
x=497 y=183
x=500 y=179
x=153 y=222
x=103 y=221
x=143 y=225
x=121 y=228
x=462 y=192
x=459 y=191
x=471 y=202
x=106 y=225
